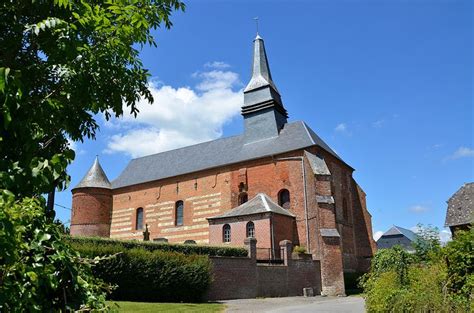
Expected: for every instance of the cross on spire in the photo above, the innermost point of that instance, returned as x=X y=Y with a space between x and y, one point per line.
x=256 y=23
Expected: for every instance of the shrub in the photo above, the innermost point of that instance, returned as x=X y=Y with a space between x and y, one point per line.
x=152 y=246
x=299 y=249
x=38 y=271
x=142 y=275
x=399 y=282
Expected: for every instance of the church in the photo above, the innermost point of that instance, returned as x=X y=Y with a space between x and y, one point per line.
x=277 y=181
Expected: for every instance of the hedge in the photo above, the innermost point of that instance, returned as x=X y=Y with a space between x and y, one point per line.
x=187 y=249
x=150 y=276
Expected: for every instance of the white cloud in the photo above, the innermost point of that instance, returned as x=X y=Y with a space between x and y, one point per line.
x=462 y=152
x=179 y=116
x=419 y=208
x=378 y=123
x=378 y=234
x=217 y=65
x=444 y=236
x=341 y=127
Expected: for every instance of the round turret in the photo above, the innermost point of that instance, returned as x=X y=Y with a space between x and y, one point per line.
x=92 y=204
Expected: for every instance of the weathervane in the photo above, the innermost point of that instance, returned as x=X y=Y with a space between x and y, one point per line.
x=256 y=22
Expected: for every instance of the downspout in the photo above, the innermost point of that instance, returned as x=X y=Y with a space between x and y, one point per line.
x=308 y=244
x=272 y=253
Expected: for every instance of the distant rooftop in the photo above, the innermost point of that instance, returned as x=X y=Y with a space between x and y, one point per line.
x=397 y=230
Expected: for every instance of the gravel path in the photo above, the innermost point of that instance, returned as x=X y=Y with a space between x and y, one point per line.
x=298 y=304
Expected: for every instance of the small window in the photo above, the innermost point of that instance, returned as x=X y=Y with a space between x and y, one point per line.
x=284 y=199
x=179 y=211
x=243 y=197
x=344 y=209
x=250 y=229
x=226 y=233
x=139 y=219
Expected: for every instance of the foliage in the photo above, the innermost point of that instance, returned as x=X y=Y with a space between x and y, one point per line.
x=427 y=282
x=427 y=244
x=62 y=62
x=459 y=256
x=396 y=260
x=187 y=249
x=299 y=249
x=38 y=271
x=142 y=275
x=142 y=307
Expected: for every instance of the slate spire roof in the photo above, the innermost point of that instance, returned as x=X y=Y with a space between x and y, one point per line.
x=95 y=177
x=261 y=203
x=261 y=75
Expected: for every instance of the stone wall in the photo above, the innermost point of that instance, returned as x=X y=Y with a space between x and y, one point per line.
x=240 y=278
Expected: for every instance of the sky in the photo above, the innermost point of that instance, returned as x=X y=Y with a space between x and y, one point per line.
x=387 y=84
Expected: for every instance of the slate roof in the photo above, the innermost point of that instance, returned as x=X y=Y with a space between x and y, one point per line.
x=318 y=165
x=397 y=230
x=461 y=206
x=329 y=232
x=95 y=177
x=216 y=153
x=261 y=203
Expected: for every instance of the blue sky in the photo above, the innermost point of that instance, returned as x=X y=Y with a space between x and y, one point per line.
x=387 y=84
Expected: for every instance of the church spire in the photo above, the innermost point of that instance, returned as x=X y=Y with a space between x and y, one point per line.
x=263 y=111
x=95 y=177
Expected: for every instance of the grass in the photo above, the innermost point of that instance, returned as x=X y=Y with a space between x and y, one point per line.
x=144 y=307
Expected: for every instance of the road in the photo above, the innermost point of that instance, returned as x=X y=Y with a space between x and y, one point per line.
x=297 y=305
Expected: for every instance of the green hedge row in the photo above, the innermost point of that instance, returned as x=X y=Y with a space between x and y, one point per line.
x=150 y=276
x=152 y=246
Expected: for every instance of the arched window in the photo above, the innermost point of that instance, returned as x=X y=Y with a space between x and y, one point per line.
x=344 y=209
x=243 y=197
x=250 y=229
x=139 y=219
x=179 y=212
x=284 y=198
x=226 y=233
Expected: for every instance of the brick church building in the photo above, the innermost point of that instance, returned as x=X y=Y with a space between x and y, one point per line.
x=277 y=181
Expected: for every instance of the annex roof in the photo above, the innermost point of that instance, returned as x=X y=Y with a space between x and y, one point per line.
x=397 y=230
x=261 y=203
x=216 y=153
x=95 y=177
x=461 y=206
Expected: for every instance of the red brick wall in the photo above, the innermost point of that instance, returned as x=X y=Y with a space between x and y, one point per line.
x=238 y=231
x=240 y=278
x=91 y=211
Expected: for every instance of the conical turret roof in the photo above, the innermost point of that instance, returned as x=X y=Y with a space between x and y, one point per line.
x=95 y=178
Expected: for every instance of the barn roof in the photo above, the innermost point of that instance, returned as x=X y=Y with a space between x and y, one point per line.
x=261 y=203
x=397 y=230
x=217 y=153
x=461 y=206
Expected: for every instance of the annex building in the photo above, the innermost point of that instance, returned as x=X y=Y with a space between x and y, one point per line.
x=277 y=181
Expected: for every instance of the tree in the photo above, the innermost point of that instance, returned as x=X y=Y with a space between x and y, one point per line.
x=62 y=62
x=427 y=244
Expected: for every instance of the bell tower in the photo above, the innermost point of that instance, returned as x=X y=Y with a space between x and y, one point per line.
x=263 y=111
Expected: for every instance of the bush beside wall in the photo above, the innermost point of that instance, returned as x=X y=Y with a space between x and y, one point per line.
x=153 y=276
x=152 y=246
